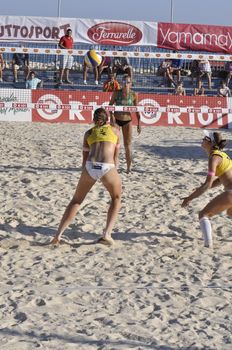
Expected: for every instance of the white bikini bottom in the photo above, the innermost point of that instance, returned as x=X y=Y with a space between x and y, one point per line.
x=96 y=169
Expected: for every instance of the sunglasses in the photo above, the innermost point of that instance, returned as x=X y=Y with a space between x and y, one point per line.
x=126 y=81
x=206 y=138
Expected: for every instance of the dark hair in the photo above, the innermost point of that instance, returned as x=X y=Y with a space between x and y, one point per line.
x=100 y=116
x=219 y=142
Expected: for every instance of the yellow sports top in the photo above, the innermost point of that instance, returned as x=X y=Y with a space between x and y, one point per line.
x=103 y=133
x=225 y=164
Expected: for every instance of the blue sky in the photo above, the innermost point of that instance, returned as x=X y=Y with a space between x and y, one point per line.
x=218 y=12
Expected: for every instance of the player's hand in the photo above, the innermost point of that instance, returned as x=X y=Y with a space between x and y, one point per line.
x=139 y=129
x=185 y=202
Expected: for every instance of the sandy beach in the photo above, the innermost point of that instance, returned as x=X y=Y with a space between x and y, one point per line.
x=156 y=288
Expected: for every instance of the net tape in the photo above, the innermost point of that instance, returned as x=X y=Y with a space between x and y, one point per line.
x=129 y=54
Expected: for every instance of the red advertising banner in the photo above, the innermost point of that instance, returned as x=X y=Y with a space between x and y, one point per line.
x=194 y=37
x=165 y=110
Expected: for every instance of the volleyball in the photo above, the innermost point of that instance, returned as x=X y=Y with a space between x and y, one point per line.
x=92 y=59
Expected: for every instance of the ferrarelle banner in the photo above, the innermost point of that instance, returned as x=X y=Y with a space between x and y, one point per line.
x=193 y=37
x=88 y=31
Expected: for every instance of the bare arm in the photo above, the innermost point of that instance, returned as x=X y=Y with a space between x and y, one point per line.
x=112 y=102
x=85 y=150
x=117 y=148
x=137 y=113
x=61 y=44
x=209 y=182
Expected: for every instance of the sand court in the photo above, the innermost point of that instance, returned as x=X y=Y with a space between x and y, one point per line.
x=156 y=288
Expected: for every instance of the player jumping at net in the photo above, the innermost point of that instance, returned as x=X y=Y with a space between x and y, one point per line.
x=125 y=97
x=219 y=165
x=100 y=154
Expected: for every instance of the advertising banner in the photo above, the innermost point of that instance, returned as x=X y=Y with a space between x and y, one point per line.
x=87 y=31
x=78 y=107
x=52 y=106
x=195 y=37
x=14 y=105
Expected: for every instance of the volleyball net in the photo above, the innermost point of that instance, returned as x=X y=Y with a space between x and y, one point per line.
x=145 y=64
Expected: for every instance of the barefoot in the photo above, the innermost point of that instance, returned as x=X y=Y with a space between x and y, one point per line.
x=106 y=241
x=55 y=241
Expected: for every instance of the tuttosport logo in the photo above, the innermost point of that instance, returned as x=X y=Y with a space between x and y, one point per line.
x=115 y=33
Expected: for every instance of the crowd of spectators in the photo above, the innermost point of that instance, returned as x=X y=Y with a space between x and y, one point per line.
x=200 y=73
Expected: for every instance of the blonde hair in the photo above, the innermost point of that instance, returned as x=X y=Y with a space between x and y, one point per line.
x=100 y=117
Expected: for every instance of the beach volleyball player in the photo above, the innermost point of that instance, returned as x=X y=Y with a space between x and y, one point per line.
x=219 y=173
x=125 y=97
x=100 y=154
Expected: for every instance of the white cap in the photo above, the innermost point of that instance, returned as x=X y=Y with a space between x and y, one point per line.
x=209 y=135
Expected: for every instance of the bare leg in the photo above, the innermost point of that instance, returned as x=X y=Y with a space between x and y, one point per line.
x=112 y=183
x=178 y=75
x=85 y=69
x=129 y=71
x=127 y=139
x=209 y=80
x=228 y=77
x=199 y=80
x=61 y=74
x=66 y=74
x=217 y=205
x=15 y=73
x=96 y=75
x=26 y=71
x=83 y=187
x=170 y=76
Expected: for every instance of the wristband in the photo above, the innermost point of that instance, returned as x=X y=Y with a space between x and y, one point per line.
x=211 y=173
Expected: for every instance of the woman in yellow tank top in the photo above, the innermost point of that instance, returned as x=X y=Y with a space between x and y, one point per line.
x=219 y=165
x=100 y=153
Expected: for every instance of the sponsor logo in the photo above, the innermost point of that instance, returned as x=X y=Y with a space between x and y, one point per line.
x=154 y=110
x=217 y=39
x=32 y=32
x=115 y=33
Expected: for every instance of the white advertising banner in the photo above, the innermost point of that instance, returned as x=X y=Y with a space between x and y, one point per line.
x=14 y=105
x=88 y=31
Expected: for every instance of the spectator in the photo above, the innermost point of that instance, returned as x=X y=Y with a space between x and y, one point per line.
x=223 y=90
x=32 y=82
x=20 y=60
x=121 y=65
x=199 y=91
x=194 y=68
x=111 y=84
x=180 y=90
x=162 y=70
x=66 y=43
x=2 y=66
x=228 y=69
x=105 y=67
x=204 y=70
x=175 y=68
